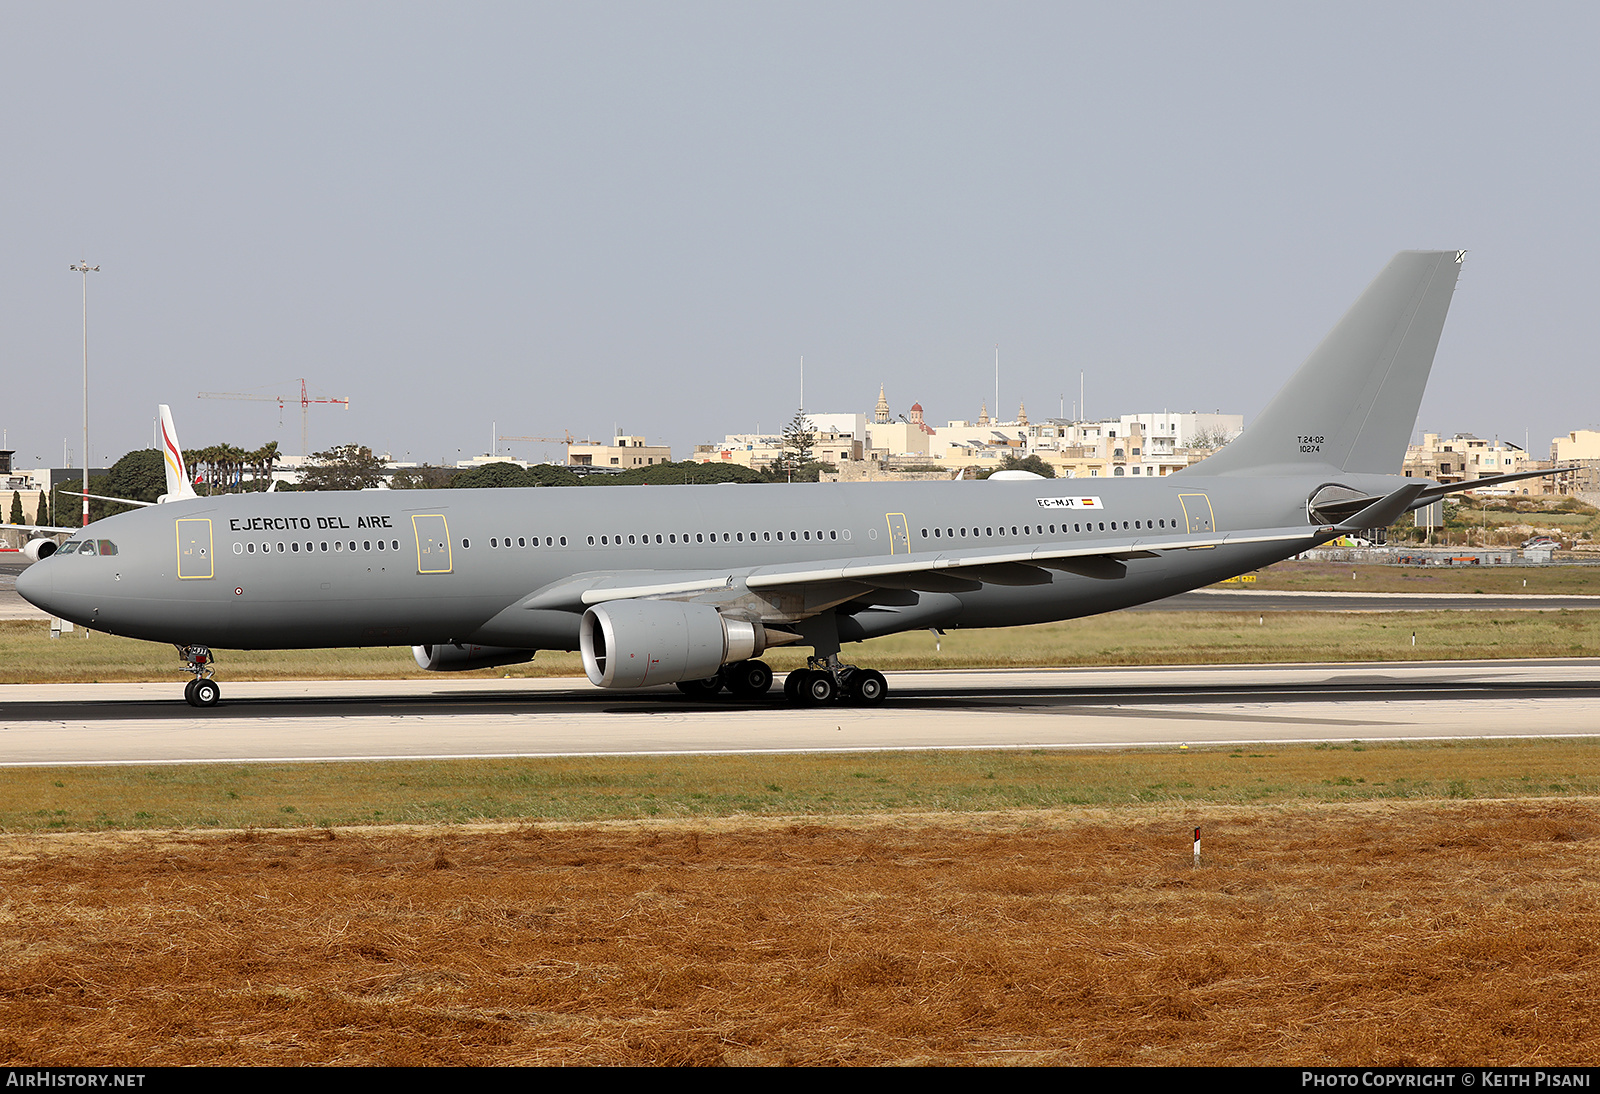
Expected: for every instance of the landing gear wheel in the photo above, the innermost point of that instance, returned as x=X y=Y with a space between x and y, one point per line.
x=701 y=689
x=818 y=688
x=792 y=683
x=868 y=688
x=188 y=693
x=748 y=679
x=206 y=693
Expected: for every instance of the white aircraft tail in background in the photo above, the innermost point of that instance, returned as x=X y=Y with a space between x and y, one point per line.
x=178 y=486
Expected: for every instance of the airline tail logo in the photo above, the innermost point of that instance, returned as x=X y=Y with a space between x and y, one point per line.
x=177 y=475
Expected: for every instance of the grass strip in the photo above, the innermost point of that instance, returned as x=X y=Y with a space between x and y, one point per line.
x=582 y=789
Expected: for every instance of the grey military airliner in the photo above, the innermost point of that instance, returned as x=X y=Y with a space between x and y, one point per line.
x=687 y=585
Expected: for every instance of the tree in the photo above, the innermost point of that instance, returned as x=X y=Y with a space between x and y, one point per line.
x=423 y=477
x=799 y=436
x=343 y=467
x=676 y=474
x=16 y=509
x=1209 y=439
x=41 y=515
x=494 y=475
x=140 y=475
x=1026 y=463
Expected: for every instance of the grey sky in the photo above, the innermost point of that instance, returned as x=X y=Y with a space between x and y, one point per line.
x=568 y=216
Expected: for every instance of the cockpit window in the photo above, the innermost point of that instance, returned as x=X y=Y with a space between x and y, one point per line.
x=107 y=547
x=87 y=548
x=67 y=548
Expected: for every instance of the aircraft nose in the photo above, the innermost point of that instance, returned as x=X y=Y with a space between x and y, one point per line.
x=35 y=585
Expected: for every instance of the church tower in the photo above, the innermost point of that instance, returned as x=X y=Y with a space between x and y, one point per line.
x=881 y=414
x=1022 y=413
x=983 y=414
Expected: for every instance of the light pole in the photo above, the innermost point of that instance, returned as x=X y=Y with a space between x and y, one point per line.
x=85 y=269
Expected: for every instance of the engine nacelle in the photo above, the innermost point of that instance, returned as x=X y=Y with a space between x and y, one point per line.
x=463 y=657
x=36 y=549
x=637 y=643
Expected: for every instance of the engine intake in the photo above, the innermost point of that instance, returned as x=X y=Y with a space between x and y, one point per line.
x=637 y=643
x=36 y=549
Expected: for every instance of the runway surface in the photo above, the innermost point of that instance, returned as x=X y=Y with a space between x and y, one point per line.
x=1073 y=708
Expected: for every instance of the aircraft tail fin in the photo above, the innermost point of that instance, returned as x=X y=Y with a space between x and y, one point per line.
x=1353 y=404
x=178 y=485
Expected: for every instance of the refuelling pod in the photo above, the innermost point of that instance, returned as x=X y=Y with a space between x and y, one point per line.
x=637 y=643
x=463 y=657
x=36 y=549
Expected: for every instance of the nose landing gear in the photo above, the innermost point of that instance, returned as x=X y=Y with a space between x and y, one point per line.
x=202 y=691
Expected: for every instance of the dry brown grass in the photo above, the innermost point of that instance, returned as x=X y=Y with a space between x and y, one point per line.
x=1394 y=933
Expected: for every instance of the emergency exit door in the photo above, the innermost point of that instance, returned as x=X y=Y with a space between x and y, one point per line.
x=194 y=548
x=899 y=537
x=433 y=543
x=1197 y=513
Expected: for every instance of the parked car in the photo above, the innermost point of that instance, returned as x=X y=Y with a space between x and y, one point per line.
x=1539 y=541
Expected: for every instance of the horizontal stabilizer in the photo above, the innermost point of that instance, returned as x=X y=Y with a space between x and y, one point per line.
x=1386 y=510
x=1341 y=510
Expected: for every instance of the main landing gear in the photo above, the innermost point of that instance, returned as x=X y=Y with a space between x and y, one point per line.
x=821 y=681
x=202 y=691
x=829 y=681
x=745 y=679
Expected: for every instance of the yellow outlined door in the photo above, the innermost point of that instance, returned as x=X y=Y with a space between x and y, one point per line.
x=1197 y=513
x=899 y=537
x=194 y=549
x=433 y=543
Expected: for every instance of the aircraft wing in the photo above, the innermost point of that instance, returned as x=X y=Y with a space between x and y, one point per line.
x=790 y=591
x=39 y=528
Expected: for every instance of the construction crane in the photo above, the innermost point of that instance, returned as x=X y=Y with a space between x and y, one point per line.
x=305 y=406
x=565 y=439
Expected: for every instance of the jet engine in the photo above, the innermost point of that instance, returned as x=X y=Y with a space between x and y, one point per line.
x=637 y=643
x=462 y=657
x=36 y=549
